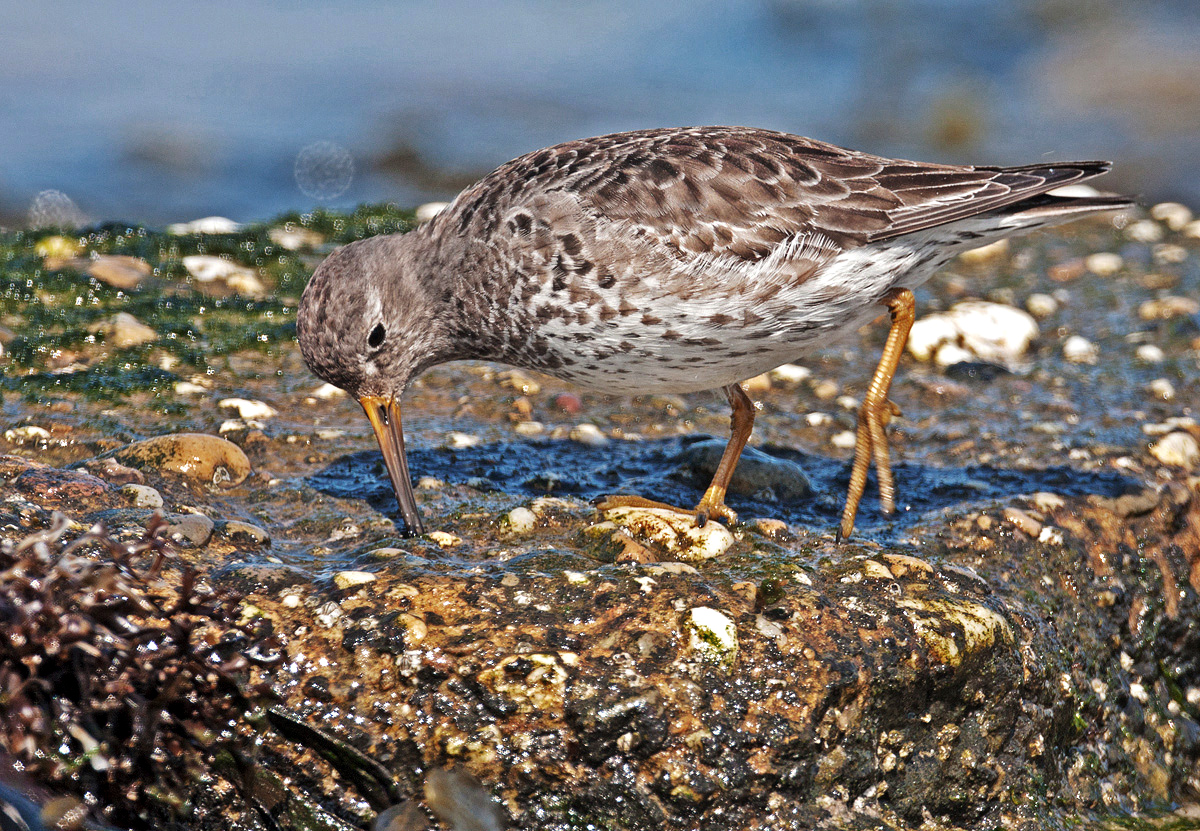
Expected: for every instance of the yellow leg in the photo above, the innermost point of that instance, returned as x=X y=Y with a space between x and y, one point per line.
x=712 y=504
x=876 y=411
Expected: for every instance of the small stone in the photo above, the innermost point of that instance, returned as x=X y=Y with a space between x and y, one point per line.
x=1045 y=501
x=848 y=402
x=263 y=577
x=1041 y=305
x=198 y=456
x=1165 y=308
x=588 y=434
x=205 y=225
x=950 y=354
x=1079 y=350
x=1192 y=229
x=26 y=433
x=349 y=579
x=294 y=237
x=1104 y=263
x=1144 y=230
x=189 y=388
x=990 y=332
x=430 y=483
x=249 y=409
x=239 y=279
x=712 y=635
x=569 y=403
x=1168 y=253
x=444 y=539
x=110 y=470
x=190 y=529
x=674 y=532
x=983 y=253
x=844 y=440
x=1172 y=214
x=791 y=373
x=118 y=270
x=57 y=247
x=519 y=381
x=818 y=419
x=521 y=520
x=757 y=474
x=529 y=428
x=826 y=389
x=142 y=496
x=325 y=392
x=429 y=210
x=1148 y=353
x=1177 y=449
x=1024 y=521
x=245 y=532
x=1162 y=388
x=757 y=385
x=459 y=441
x=123 y=331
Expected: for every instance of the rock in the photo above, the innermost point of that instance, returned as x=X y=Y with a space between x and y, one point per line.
x=569 y=403
x=673 y=532
x=991 y=332
x=757 y=474
x=244 y=532
x=521 y=520
x=1144 y=230
x=1177 y=449
x=983 y=253
x=1172 y=214
x=1041 y=305
x=1148 y=353
x=350 y=579
x=142 y=496
x=197 y=456
x=190 y=529
x=1079 y=350
x=588 y=434
x=791 y=373
x=1165 y=308
x=712 y=635
x=112 y=471
x=1104 y=263
x=249 y=409
x=205 y=225
x=26 y=433
x=124 y=331
x=238 y=279
x=261 y=577
x=1162 y=388
x=117 y=270
x=327 y=392
x=844 y=439
x=445 y=539
x=295 y=237
x=70 y=490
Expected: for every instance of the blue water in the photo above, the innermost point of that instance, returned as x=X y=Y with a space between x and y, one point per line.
x=162 y=112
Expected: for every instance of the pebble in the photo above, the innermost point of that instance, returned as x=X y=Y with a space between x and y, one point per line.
x=458 y=441
x=1144 y=230
x=198 y=456
x=569 y=403
x=262 y=577
x=325 y=392
x=991 y=332
x=142 y=496
x=1162 y=388
x=189 y=388
x=1165 y=308
x=190 y=529
x=57 y=247
x=519 y=381
x=791 y=373
x=445 y=539
x=112 y=471
x=1024 y=521
x=843 y=440
x=206 y=268
x=528 y=428
x=674 y=532
x=1079 y=350
x=1046 y=501
x=1192 y=229
x=118 y=270
x=1169 y=254
x=1177 y=449
x=293 y=237
x=712 y=635
x=1148 y=353
x=248 y=408
x=1104 y=263
x=521 y=520
x=244 y=532
x=1174 y=215
x=757 y=385
x=123 y=331
x=349 y=579
x=205 y=225
x=757 y=474
x=429 y=210
x=1041 y=305
x=27 y=432
x=983 y=253
x=588 y=434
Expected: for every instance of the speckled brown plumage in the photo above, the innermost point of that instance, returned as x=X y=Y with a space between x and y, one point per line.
x=669 y=260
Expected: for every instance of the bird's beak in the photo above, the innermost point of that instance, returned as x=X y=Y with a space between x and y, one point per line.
x=384 y=414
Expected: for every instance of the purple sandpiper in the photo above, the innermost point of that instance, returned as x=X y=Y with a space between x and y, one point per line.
x=667 y=260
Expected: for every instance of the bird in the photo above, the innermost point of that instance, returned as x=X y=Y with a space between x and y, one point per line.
x=668 y=260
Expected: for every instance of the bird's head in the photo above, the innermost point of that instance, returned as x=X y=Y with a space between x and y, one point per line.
x=368 y=323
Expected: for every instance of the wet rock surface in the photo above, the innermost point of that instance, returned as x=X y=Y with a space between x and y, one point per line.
x=1017 y=647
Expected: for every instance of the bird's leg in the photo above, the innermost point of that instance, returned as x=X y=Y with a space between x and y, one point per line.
x=876 y=411
x=712 y=504
x=741 y=423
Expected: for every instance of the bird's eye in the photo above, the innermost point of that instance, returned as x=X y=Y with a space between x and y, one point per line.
x=376 y=337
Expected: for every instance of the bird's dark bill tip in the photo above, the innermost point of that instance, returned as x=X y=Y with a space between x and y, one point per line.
x=384 y=415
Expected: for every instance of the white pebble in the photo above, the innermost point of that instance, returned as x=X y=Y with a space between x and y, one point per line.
x=1050 y=535
x=949 y=354
x=1144 y=230
x=189 y=388
x=521 y=520
x=983 y=253
x=1178 y=449
x=674 y=531
x=992 y=332
x=1162 y=388
x=1079 y=350
x=818 y=419
x=1041 y=305
x=791 y=373
x=208 y=269
x=528 y=428
x=348 y=579
x=248 y=408
x=1192 y=229
x=429 y=210
x=1174 y=215
x=843 y=440
x=1104 y=263
x=142 y=496
x=712 y=635
x=206 y=225
x=445 y=539
x=1168 y=253
x=848 y=402
x=328 y=391
x=1148 y=353
x=588 y=434
x=30 y=432
x=460 y=441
